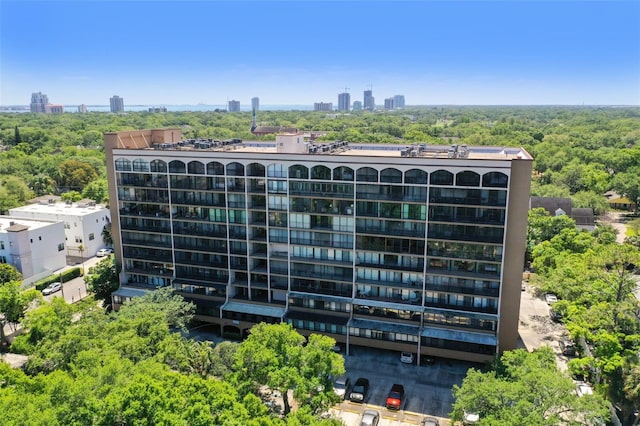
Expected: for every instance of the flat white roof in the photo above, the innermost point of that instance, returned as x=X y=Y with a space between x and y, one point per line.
x=7 y=221
x=59 y=208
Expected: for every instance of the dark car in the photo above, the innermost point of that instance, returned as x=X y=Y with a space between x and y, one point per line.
x=567 y=347
x=395 y=397
x=556 y=316
x=360 y=390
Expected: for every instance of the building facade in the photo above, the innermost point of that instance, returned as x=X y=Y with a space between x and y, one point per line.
x=234 y=106
x=323 y=106
x=54 y=108
x=344 y=102
x=369 y=103
x=116 y=104
x=398 y=101
x=83 y=223
x=389 y=103
x=357 y=106
x=35 y=248
x=255 y=104
x=409 y=248
x=38 y=102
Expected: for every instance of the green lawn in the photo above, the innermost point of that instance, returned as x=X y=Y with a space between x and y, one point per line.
x=633 y=227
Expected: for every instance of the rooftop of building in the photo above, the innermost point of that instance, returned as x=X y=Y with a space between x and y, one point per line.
x=12 y=224
x=343 y=148
x=52 y=205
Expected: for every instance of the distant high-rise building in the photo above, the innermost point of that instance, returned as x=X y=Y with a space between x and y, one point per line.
x=116 y=103
x=255 y=104
x=357 y=106
x=369 y=101
x=323 y=106
x=82 y=109
x=54 y=108
x=38 y=102
x=389 y=103
x=344 y=101
x=234 y=106
x=158 y=109
x=398 y=101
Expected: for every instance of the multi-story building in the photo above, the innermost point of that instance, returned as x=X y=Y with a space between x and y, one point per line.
x=38 y=102
x=357 y=106
x=398 y=101
x=410 y=248
x=369 y=101
x=344 y=101
x=82 y=109
x=323 y=106
x=234 y=106
x=255 y=104
x=116 y=103
x=36 y=248
x=389 y=103
x=54 y=108
x=83 y=223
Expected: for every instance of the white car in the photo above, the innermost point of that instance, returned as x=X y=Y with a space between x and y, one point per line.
x=406 y=357
x=104 y=252
x=341 y=385
x=52 y=288
x=583 y=389
x=550 y=298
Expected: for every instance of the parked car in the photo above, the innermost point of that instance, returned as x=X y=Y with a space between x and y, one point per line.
x=395 y=397
x=550 y=298
x=370 y=418
x=360 y=390
x=104 y=252
x=583 y=388
x=406 y=357
x=470 y=418
x=430 y=421
x=341 y=385
x=567 y=347
x=427 y=360
x=52 y=288
x=556 y=316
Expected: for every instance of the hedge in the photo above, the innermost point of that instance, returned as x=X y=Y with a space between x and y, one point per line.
x=67 y=275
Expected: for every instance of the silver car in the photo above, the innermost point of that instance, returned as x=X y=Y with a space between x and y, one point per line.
x=370 y=418
x=52 y=288
x=341 y=385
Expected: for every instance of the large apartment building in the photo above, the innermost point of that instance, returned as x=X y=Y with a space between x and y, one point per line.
x=414 y=248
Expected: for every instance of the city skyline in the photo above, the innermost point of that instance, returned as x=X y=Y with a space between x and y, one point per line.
x=477 y=53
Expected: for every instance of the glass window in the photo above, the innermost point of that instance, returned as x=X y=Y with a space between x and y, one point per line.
x=343 y=173
x=299 y=172
x=196 y=168
x=158 y=166
x=442 y=177
x=235 y=169
x=321 y=172
x=276 y=170
x=255 y=169
x=176 y=166
x=467 y=178
x=495 y=180
x=415 y=176
x=215 y=168
x=140 y=165
x=367 y=174
x=123 y=165
x=391 y=176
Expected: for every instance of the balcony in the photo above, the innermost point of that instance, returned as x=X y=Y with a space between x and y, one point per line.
x=392 y=266
x=413 y=298
x=464 y=307
x=450 y=288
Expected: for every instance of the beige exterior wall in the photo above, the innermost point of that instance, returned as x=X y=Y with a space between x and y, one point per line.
x=513 y=260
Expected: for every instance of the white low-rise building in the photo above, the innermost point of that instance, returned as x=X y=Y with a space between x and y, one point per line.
x=36 y=248
x=83 y=223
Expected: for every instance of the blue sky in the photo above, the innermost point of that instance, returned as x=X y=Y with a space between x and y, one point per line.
x=300 y=52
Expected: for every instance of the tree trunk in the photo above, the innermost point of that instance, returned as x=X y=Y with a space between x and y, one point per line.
x=285 y=402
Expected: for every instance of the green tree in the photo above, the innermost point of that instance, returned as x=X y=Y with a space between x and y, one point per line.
x=175 y=310
x=71 y=196
x=75 y=174
x=9 y=273
x=97 y=191
x=13 y=304
x=525 y=388
x=102 y=279
x=274 y=355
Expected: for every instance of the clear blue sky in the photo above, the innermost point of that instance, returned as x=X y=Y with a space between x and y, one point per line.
x=300 y=52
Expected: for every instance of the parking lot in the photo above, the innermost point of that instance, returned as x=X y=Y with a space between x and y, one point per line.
x=427 y=387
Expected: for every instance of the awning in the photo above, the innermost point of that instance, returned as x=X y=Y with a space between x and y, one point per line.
x=322 y=297
x=467 y=314
x=130 y=292
x=389 y=305
x=460 y=336
x=385 y=326
x=249 y=308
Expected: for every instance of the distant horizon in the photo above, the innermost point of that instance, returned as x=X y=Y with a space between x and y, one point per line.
x=477 y=52
x=247 y=108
